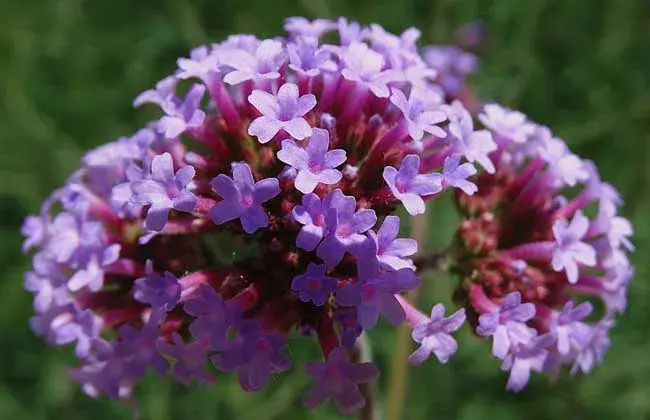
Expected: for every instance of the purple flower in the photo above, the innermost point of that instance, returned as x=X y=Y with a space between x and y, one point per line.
x=164 y=190
x=92 y=274
x=349 y=326
x=263 y=64
x=255 y=354
x=213 y=316
x=243 y=198
x=343 y=227
x=507 y=325
x=314 y=163
x=455 y=175
x=566 y=326
x=526 y=358
x=311 y=214
x=595 y=341
x=156 y=290
x=567 y=168
x=182 y=114
x=73 y=239
x=305 y=58
x=338 y=378
x=139 y=349
x=48 y=284
x=391 y=252
x=163 y=91
x=434 y=335
x=104 y=373
x=407 y=185
x=351 y=32
x=301 y=27
x=314 y=285
x=506 y=124
x=284 y=111
x=374 y=292
x=66 y=324
x=365 y=66
x=476 y=146
x=34 y=229
x=569 y=249
x=202 y=64
x=420 y=113
x=190 y=359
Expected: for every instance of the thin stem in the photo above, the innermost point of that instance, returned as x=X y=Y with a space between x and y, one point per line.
x=362 y=353
x=399 y=373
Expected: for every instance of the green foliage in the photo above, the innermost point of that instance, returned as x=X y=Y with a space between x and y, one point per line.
x=70 y=68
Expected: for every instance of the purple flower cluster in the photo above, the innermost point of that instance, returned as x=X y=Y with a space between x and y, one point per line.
x=265 y=199
x=535 y=249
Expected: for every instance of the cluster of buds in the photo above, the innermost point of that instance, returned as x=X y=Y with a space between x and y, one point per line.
x=264 y=201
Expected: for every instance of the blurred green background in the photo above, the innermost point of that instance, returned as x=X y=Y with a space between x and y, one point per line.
x=70 y=68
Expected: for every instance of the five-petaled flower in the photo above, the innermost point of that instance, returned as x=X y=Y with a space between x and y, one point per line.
x=242 y=198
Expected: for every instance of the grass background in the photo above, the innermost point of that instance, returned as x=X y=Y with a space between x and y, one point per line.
x=68 y=72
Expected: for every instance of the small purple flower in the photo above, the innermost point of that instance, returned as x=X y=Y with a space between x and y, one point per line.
x=48 y=286
x=476 y=146
x=305 y=58
x=190 y=359
x=104 y=373
x=156 y=290
x=374 y=292
x=213 y=316
x=164 y=190
x=407 y=185
x=300 y=27
x=314 y=285
x=203 y=64
x=139 y=349
x=525 y=358
x=311 y=214
x=507 y=326
x=263 y=64
x=455 y=175
x=338 y=378
x=314 y=163
x=434 y=335
x=567 y=167
x=284 y=111
x=567 y=325
x=34 y=229
x=420 y=113
x=569 y=249
x=391 y=252
x=182 y=114
x=343 y=227
x=66 y=324
x=92 y=274
x=506 y=124
x=254 y=354
x=349 y=326
x=351 y=32
x=596 y=342
x=163 y=91
x=243 y=198
x=365 y=66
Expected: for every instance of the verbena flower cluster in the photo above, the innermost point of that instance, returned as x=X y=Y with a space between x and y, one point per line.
x=265 y=200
